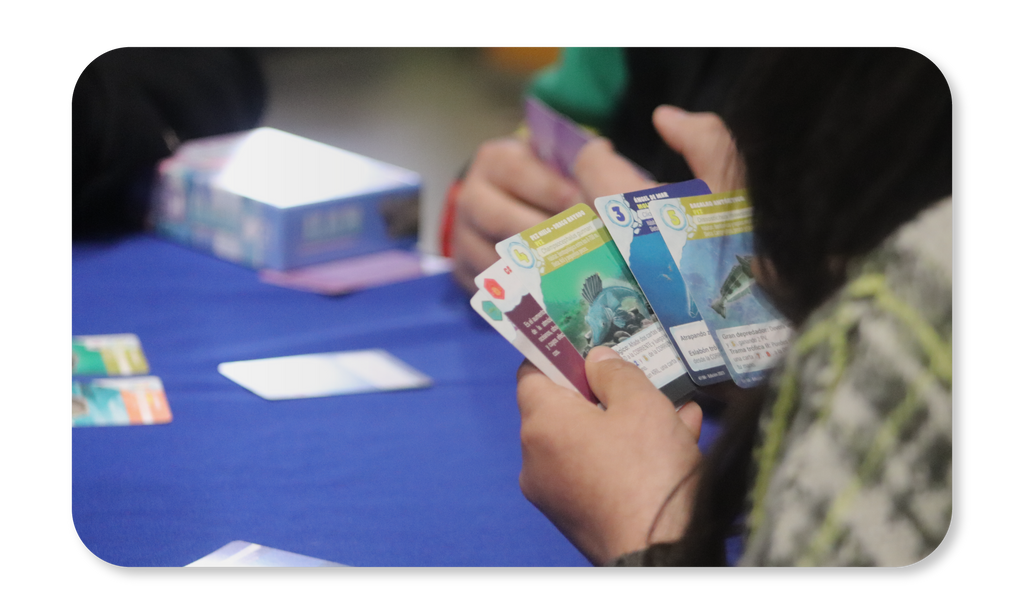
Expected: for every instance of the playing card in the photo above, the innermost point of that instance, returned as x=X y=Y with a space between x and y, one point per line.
x=352 y=274
x=119 y=401
x=555 y=139
x=506 y=305
x=245 y=554
x=571 y=267
x=636 y=234
x=107 y=355
x=321 y=375
x=710 y=239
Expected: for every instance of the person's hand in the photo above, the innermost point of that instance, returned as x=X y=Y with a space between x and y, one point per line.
x=705 y=143
x=701 y=138
x=601 y=171
x=612 y=481
x=506 y=190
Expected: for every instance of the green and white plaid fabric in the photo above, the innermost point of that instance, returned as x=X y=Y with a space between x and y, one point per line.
x=854 y=466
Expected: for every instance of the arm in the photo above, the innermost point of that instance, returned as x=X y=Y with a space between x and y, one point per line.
x=616 y=481
x=612 y=481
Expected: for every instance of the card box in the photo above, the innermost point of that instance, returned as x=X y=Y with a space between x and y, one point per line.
x=265 y=198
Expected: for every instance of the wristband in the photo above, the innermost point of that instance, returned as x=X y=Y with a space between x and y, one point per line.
x=448 y=218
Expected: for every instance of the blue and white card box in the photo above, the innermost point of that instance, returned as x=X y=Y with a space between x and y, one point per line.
x=265 y=198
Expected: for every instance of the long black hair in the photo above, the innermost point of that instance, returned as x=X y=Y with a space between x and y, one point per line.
x=840 y=147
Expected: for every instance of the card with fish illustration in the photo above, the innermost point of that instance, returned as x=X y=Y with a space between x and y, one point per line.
x=507 y=306
x=710 y=239
x=636 y=233
x=571 y=267
x=107 y=355
x=119 y=401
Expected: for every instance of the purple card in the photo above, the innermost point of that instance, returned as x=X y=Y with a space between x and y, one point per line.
x=555 y=138
x=351 y=274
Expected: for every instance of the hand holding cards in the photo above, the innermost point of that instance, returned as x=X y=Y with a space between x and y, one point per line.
x=573 y=270
x=565 y=280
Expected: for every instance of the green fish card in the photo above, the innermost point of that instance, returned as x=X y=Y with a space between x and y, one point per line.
x=710 y=238
x=570 y=265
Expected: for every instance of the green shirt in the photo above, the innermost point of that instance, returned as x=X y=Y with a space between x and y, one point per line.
x=585 y=84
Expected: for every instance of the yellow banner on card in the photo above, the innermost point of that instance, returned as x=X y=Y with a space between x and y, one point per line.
x=719 y=215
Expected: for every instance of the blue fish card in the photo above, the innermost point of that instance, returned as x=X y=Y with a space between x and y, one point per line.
x=710 y=238
x=571 y=267
x=632 y=226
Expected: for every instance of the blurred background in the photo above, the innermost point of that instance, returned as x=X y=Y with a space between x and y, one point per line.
x=424 y=109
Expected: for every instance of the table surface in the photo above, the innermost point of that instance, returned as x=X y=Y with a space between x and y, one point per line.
x=410 y=478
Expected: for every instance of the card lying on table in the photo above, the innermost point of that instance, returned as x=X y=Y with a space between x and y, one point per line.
x=245 y=554
x=119 y=401
x=323 y=375
x=107 y=355
x=361 y=272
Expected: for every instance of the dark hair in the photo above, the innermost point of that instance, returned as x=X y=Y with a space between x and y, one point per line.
x=840 y=147
x=132 y=106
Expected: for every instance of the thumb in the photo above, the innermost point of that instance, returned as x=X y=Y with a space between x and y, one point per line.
x=600 y=171
x=618 y=383
x=706 y=144
x=692 y=417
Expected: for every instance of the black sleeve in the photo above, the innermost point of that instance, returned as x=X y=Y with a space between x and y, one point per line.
x=693 y=79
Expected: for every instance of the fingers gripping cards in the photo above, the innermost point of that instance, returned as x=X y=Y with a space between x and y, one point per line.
x=636 y=233
x=573 y=270
x=710 y=239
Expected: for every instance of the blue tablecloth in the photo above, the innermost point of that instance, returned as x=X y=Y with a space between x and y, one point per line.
x=411 y=478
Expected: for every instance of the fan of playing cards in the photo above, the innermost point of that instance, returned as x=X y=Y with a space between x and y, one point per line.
x=662 y=276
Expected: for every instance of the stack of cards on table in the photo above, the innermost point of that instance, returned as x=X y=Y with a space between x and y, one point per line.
x=358 y=273
x=114 y=401
x=662 y=276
